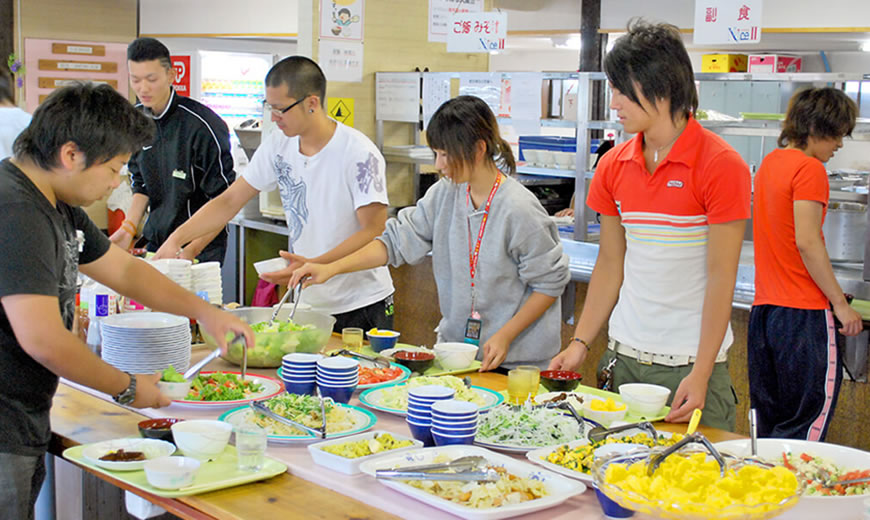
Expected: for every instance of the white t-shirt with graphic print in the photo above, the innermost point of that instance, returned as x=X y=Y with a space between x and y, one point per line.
x=320 y=195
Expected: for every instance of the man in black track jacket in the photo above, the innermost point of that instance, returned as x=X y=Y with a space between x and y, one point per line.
x=188 y=164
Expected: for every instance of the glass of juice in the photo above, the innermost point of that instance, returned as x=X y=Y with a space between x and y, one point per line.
x=523 y=383
x=352 y=338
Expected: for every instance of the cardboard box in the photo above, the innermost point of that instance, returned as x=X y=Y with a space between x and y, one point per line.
x=723 y=63
x=770 y=63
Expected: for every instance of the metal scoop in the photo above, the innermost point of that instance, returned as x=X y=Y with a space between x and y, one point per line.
x=657 y=458
x=214 y=354
x=469 y=462
x=599 y=433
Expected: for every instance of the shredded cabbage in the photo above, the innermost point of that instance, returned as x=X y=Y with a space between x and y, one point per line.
x=527 y=426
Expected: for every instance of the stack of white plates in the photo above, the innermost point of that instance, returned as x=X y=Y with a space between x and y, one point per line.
x=177 y=270
x=207 y=278
x=146 y=342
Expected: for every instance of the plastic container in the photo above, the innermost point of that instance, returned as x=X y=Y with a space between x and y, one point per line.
x=551 y=143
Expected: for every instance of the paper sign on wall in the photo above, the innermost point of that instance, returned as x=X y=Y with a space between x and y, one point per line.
x=340 y=109
x=342 y=19
x=477 y=32
x=727 y=21
x=341 y=60
x=441 y=12
x=397 y=96
x=436 y=91
x=181 y=64
x=485 y=85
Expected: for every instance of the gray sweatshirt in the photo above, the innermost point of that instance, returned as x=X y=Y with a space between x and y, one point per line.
x=520 y=253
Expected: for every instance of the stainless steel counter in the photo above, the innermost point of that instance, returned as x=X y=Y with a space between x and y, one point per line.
x=582 y=257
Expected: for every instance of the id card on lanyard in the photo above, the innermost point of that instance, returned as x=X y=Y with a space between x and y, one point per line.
x=474 y=324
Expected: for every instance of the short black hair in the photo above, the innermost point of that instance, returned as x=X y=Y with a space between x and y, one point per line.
x=101 y=122
x=147 y=49
x=653 y=57
x=817 y=112
x=7 y=91
x=302 y=77
x=344 y=10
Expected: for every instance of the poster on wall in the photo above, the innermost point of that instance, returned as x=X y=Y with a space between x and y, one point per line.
x=477 y=32
x=727 y=21
x=341 y=61
x=441 y=13
x=436 y=91
x=342 y=19
x=485 y=85
x=397 y=96
x=51 y=64
x=181 y=64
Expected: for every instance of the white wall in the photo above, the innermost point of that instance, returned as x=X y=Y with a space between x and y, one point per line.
x=274 y=17
x=540 y=15
x=535 y=60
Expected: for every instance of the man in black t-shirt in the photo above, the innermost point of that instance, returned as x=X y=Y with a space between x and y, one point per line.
x=69 y=156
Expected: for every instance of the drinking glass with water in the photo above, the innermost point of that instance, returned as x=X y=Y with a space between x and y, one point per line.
x=251 y=447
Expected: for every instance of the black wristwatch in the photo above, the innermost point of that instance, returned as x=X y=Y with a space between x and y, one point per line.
x=128 y=394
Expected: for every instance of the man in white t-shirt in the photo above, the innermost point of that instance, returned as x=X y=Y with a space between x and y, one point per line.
x=333 y=189
x=12 y=119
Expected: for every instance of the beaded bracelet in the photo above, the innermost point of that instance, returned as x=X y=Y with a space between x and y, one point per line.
x=582 y=342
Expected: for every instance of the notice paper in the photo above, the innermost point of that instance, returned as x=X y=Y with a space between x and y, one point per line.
x=397 y=96
x=436 y=90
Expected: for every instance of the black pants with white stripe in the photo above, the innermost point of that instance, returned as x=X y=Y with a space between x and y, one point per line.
x=795 y=371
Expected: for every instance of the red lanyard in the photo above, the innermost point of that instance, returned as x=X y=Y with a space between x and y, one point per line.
x=473 y=254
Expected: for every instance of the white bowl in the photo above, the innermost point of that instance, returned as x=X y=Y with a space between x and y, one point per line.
x=171 y=472
x=644 y=399
x=271 y=265
x=546 y=158
x=455 y=356
x=564 y=160
x=602 y=417
x=201 y=439
x=351 y=466
x=531 y=157
x=174 y=391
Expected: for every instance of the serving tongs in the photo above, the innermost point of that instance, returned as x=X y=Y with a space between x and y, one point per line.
x=565 y=405
x=599 y=433
x=259 y=407
x=377 y=360
x=214 y=354
x=466 y=470
x=696 y=438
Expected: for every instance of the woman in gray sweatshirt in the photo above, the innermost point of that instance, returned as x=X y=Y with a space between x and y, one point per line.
x=496 y=256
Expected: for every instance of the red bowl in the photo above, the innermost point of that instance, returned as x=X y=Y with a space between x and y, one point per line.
x=416 y=361
x=560 y=380
x=158 y=428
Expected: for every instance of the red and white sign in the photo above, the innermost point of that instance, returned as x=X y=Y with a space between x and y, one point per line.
x=727 y=21
x=181 y=64
x=441 y=14
x=477 y=32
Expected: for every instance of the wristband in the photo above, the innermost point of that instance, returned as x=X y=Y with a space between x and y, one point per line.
x=131 y=229
x=582 y=342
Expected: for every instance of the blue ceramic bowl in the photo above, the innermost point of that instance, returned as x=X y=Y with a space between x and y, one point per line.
x=307 y=367
x=299 y=379
x=454 y=408
x=337 y=381
x=299 y=388
x=339 y=394
x=454 y=425
x=380 y=343
x=430 y=393
x=301 y=358
x=611 y=508
x=419 y=408
x=421 y=433
x=446 y=440
x=455 y=432
x=421 y=419
x=337 y=373
x=454 y=418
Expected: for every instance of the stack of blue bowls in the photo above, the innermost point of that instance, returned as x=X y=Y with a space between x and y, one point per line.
x=454 y=422
x=337 y=377
x=419 y=416
x=298 y=371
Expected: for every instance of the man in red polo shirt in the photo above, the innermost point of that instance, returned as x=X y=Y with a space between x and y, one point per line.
x=674 y=202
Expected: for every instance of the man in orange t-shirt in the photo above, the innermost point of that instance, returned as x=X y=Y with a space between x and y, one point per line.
x=794 y=369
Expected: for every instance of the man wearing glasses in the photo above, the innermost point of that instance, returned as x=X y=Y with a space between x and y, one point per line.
x=188 y=164
x=333 y=189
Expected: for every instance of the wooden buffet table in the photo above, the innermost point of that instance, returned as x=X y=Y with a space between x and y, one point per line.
x=78 y=417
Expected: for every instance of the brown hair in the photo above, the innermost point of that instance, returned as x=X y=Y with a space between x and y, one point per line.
x=820 y=113
x=458 y=125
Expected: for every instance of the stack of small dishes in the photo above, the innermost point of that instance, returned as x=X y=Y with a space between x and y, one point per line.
x=337 y=377
x=176 y=269
x=206 y=278
x=146 y=342
x=298 y=371
x=453 y=422
x=419 y=418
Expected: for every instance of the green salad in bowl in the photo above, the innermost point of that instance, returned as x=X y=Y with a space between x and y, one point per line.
x=307 y=332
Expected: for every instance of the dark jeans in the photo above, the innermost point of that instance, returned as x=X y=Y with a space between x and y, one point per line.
x=378 y=315
x=794 y=371
x=21 y=478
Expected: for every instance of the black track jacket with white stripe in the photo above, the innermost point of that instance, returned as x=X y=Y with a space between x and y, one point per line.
x=188 y=164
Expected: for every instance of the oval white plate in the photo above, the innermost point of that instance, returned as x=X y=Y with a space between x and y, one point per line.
x=152 y=448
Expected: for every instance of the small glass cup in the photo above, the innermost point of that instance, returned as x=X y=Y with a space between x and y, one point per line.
x=523 y=383
x=352 y=337
x=250 y=447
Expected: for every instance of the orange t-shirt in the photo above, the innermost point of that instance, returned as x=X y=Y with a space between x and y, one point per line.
x=781 y=278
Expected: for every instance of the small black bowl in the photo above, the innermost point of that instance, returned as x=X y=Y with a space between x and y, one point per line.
x=560 y=380
x=416 y=361
x=158 y=428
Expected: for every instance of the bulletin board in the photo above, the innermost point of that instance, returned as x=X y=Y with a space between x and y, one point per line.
x=51 y=64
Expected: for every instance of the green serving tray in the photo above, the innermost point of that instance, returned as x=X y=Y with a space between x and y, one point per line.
x=588 y=390
x=219 y=473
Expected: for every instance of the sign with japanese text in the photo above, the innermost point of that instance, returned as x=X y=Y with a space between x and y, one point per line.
x=441 y=14
x=342 y=19
x=181 y=64
x=727 y=21
x=477 y=32
x=397 y=96
x=341 y=60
